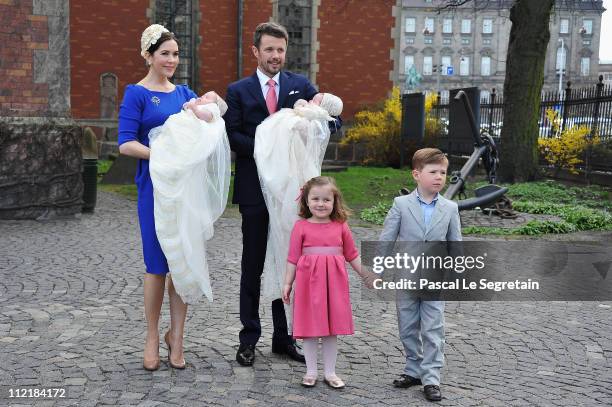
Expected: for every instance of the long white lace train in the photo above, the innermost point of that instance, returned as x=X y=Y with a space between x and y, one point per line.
x=190 y=169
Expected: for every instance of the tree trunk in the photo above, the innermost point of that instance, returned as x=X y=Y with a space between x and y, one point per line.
x=529 y=37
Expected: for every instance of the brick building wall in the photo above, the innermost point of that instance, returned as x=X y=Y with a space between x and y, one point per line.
x=40 y=146
x=217 y=51
x=255 y=12
x=354 y=55
x=354 y=48
x=21 y=33
x=106 y=39
x=218 y=30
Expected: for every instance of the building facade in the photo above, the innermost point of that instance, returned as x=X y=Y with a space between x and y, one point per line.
x=467 y=46
x=605 y=70
x=356 y=49
x=326 y=44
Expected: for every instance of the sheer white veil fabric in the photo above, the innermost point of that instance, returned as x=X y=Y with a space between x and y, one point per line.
x=289 y=150
x=190 y=170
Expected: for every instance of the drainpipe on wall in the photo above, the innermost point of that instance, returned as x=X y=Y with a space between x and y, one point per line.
x=239 y=41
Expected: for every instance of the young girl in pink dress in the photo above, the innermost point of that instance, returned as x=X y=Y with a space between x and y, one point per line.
x=320 y=243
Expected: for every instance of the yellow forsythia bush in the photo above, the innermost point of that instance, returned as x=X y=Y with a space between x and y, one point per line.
x=564 y=149
x=380 y=129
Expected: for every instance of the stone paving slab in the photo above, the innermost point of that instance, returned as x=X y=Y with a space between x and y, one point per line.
x=71 y=316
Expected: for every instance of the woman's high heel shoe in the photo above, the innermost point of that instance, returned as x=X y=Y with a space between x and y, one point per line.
x=175 y=366
x=151 y=364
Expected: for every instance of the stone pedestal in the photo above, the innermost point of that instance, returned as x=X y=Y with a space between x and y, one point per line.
x=40 y=167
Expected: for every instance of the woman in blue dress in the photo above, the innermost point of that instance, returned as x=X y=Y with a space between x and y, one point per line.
x=146 y=105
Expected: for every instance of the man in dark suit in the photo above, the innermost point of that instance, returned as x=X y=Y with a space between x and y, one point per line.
x=250 y=101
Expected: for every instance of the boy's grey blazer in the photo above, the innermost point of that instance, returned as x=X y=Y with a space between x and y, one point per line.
x=404 y=222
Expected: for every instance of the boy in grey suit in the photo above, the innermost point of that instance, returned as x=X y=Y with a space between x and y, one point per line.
x=423 y=215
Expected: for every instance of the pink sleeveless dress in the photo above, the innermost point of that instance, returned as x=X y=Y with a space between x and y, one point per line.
x=321 y=303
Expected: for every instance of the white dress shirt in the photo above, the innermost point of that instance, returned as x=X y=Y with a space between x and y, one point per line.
x=263 y=81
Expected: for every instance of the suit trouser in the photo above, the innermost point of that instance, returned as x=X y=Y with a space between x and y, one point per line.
x=255 y=220
x=421 y=330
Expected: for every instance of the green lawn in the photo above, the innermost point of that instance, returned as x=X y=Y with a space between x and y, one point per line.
x=360 y=186
x=363 y=186
x=128 y=191
x=369 y=192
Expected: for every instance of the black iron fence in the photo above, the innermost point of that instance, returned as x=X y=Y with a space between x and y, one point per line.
x=591 y=107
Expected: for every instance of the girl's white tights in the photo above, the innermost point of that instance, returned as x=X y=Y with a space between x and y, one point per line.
x=330 y=352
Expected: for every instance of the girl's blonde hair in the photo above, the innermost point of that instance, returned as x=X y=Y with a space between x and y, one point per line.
x=340 y=212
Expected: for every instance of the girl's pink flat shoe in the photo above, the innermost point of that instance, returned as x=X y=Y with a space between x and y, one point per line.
x=309 y=381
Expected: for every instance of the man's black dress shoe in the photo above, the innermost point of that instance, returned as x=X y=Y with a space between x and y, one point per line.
x=245 y=355
x=406 y=381
x=432 y=392
x=292 y=350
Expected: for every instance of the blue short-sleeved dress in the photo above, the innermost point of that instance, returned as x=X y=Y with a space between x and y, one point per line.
x=140 y=111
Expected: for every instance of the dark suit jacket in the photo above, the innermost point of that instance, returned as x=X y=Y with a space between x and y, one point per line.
x=246 y=110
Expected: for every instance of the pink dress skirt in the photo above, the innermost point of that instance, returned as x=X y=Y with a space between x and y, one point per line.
x=321 y=304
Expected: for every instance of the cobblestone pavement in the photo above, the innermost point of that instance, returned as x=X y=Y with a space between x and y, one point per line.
x=477 y=218
x=71 y=316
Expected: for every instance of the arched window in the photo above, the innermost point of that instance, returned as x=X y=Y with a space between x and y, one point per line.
x=560 y=59
x=296 y=16
x=176 y=16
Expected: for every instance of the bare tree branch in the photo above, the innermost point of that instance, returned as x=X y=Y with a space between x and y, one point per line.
x=451 y=4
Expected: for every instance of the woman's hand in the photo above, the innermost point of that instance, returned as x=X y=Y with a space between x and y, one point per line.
x=287 y=293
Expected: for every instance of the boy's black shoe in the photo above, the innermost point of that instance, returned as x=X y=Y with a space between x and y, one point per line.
x=246 y=355
x=292 y=350
x=406 y=381
x=432 y=392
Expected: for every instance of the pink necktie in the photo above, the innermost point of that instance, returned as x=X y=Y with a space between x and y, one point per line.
x=271 y=97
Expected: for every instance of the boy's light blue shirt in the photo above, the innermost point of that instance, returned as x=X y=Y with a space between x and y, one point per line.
x=428 y=208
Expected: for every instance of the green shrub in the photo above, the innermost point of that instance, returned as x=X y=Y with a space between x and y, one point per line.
x=485 y=230
x=587 y=218
x=377 y=213
x=536 y=227
x=582 y=218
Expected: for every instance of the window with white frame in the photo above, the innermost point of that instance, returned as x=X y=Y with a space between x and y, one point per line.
x=447 y=26
x=485 y=96
x=466 y=26
x=444 y=96
x=585 y=66
x=408 y=62
x=409 y=40
x=588 y=26
x=485 y=66
x=410 y=24
x=560 y=59
x=564 y=26
x=429 y=25
x=446 y=41
x=464 y=66
x=446 y=62
x=487 y=26
x=427 y=65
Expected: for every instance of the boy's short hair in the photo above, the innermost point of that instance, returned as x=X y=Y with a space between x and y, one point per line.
x=269 y=28
x=426 y=156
